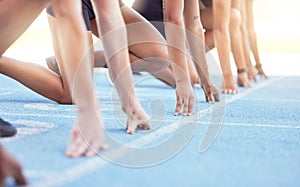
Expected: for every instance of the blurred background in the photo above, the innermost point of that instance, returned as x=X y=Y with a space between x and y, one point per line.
x=276 y=22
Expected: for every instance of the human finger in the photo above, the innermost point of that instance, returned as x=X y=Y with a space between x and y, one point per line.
x=185 y=106
x=19 y=177
x=178 y=106
x=191 y=106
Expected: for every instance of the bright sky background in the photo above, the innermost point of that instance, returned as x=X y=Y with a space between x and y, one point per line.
x=276 y=22
x=278 y=25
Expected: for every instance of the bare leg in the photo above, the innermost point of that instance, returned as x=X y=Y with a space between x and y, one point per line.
x=149 y=56
x=37 y=78
x=18 y=21
x=15 y=18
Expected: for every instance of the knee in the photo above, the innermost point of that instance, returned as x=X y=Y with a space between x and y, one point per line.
x=156 y=59
x=161 y=59
x=172 y=18
x=235 y=20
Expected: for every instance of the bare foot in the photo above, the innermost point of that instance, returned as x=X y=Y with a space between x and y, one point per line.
x=211 y=92
x=87 y=135
x=242 y=80
x=228 y=86
x=136 y=118
x=10 y=167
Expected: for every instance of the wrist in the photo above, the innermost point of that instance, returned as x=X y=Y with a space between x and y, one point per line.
x=242 y=70
x=183 y=81
x=258 y=66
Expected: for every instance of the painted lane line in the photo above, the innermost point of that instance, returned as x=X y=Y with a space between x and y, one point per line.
x=256 y=125
x=171 y=128
x=92 y=165
x=274 y=100
x=37 y=115
x=29 y=128
x=6 y=93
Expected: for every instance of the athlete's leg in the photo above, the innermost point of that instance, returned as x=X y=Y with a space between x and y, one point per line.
x=33 y=76
x=148 y=55
x=15 y=18
x=37 y=78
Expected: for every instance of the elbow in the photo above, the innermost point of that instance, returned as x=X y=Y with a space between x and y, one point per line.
x=173 y=18
x=235 y=20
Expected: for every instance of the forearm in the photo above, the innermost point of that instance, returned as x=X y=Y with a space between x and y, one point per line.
x=197 y=48
x=222 y=41
x=114 y=38
x=246 y=48
x=175 y=34
x=76 y=56
x=253 y=45
x=237 y=49
x=221 y=13
x=245 y=37
x=251 y=30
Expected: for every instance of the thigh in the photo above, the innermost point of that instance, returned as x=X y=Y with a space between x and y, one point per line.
x=15 y=17
x=144 y=40
x=152 y=10
x=207 y=18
